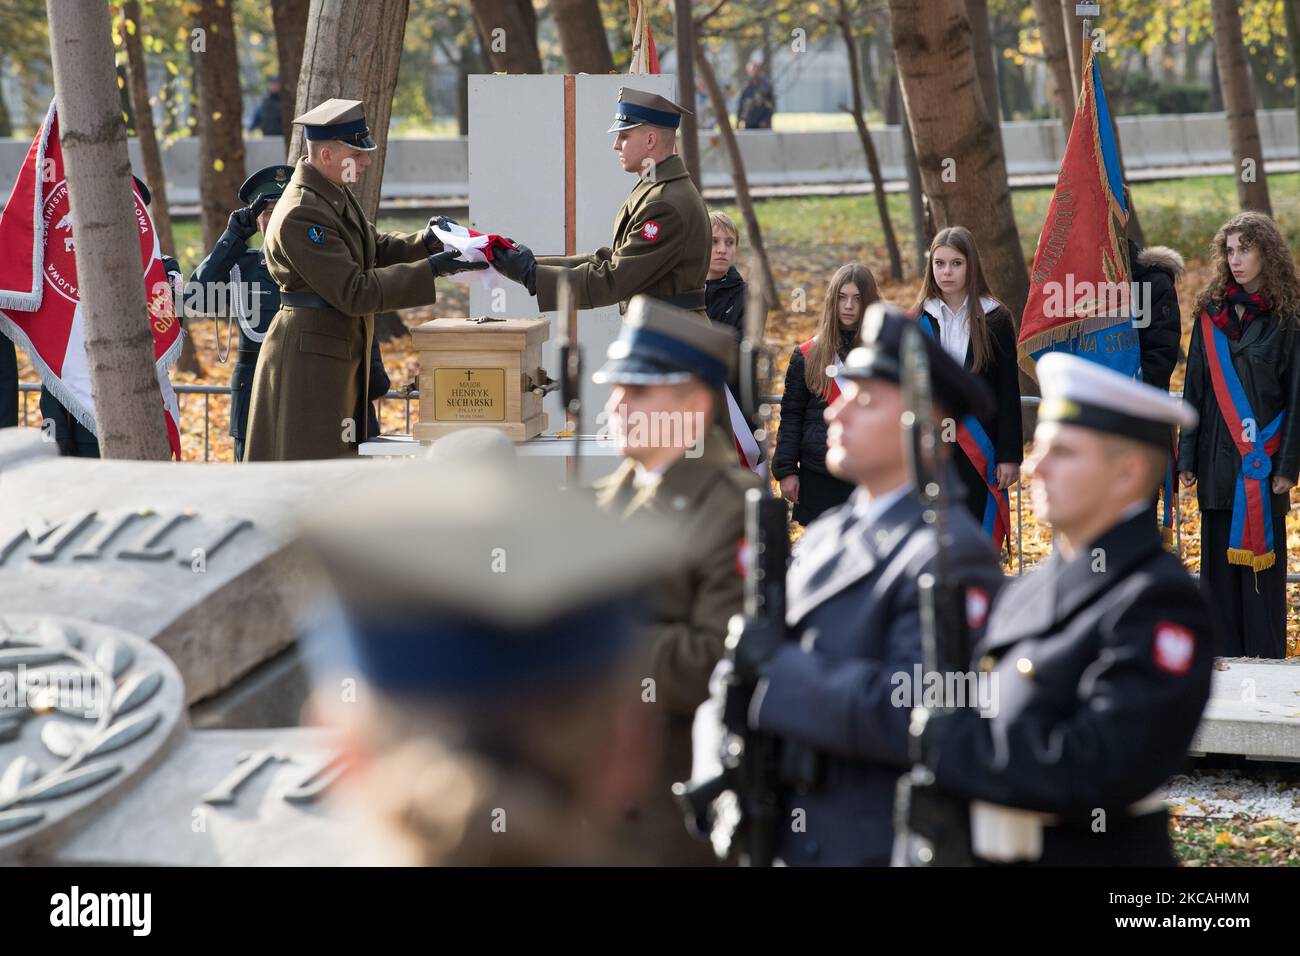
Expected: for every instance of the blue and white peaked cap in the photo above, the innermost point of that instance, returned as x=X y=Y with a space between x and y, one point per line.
x=638 y=108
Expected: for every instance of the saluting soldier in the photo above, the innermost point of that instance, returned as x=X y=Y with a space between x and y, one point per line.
x=334 y=271
x=661 y=234
x=853 y=607
x=668 y=370
x=1103 y=656
x=498 y=718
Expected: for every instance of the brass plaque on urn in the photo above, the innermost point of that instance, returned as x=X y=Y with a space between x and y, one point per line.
x=469 y=394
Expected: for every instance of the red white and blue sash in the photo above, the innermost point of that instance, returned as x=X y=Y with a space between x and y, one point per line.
x=1251 y=540
x=832 y=387
x=978 y=448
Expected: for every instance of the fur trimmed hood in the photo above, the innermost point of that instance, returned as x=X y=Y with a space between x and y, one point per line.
x=1163 y=258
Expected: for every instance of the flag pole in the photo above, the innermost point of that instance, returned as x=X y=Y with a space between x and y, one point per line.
x=1086 y=11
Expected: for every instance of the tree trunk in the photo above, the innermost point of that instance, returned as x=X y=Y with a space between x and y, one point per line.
x=915 y=193
x=738 y=177
x=1072 y=30
x=688 y=137
x=220 y=108
x=1239 y=104
x=510 y=34
x=1051 y=31
x=868 y=147
x=353 y=51
x=962 y=165
x=1291 y=8
x=144 y=128
x=6 y=121
x=290 y=19
x=129 y=415
x=981 y=39
x=582 y=36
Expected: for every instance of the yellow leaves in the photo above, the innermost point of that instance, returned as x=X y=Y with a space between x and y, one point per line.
x=216 y=116
x=1223 y=838
x=130 y=26
x=171 y=68
x=218 y=164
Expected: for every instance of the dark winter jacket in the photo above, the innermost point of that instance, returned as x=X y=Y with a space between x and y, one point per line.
x=801 y=440
x=1159 y=331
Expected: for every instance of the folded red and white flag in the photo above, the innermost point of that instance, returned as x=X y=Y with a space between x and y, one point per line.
x=40 y=308
x=474 y=246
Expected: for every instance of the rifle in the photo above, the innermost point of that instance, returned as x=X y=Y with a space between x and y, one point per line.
x=570 y=353
x=741 y=807
x=932 y=828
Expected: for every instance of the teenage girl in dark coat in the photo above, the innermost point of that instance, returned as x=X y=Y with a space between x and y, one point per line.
x=800 y=460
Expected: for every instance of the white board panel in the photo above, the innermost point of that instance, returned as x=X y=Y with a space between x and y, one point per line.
x=516 y=188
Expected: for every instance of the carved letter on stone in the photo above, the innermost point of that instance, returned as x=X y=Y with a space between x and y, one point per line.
x=151 y=551
x=93 y=549
x=316 y=782
x=52 y=543
x=249 y=764
x=223 y=535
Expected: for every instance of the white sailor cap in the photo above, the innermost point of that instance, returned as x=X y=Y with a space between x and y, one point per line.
x=1079 y=392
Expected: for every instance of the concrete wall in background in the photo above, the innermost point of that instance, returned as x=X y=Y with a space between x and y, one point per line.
x=439 y=168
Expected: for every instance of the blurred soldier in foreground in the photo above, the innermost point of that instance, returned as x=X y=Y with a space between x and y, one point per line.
x=841 y=690
x=490 y=627
x=1103 y=655
x=668 y=370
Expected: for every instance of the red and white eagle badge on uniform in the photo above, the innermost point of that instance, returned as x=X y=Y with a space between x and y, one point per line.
x=1174 y=648
x=977 y=608
x=650 y=231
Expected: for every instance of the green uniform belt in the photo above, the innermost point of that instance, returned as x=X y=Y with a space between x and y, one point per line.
x=304 y=300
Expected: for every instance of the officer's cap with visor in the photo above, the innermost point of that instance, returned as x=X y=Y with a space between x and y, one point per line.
x=267 y=181
x=956 y=391
x=336 y=120
x=1083 y=393
x=660 y=344
x=466 y=578
x=638 y=108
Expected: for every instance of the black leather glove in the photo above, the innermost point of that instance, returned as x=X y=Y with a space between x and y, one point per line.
x=449 y=263
x=517 y=264
x=431 y=242
x=243 y=222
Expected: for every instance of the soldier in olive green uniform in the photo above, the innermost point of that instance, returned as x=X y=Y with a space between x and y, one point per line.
x=668 y=371
x=334 y=271
x=661 y=235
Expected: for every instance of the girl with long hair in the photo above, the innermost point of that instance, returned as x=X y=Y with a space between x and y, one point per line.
x=957 y=307
x=800 y=461
x=1243 y=379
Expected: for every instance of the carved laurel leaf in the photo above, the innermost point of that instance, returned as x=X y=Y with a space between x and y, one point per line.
x=135 y=690
x=21 y=771
x=122 y=733
x=57 y=637
x=70 y=781
x=61 y=738
x=13 y=819
x=9 y=727
x=114 y=656
x=29 y=656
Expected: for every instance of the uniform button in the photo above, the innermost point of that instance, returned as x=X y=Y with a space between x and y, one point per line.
x=679 y=502
x=1025 y=666
x=988 y=662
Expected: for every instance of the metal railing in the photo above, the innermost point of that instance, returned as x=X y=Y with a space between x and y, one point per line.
x=407 y=395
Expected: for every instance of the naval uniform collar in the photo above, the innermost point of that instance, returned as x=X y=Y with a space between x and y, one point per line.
x=1055 y=591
